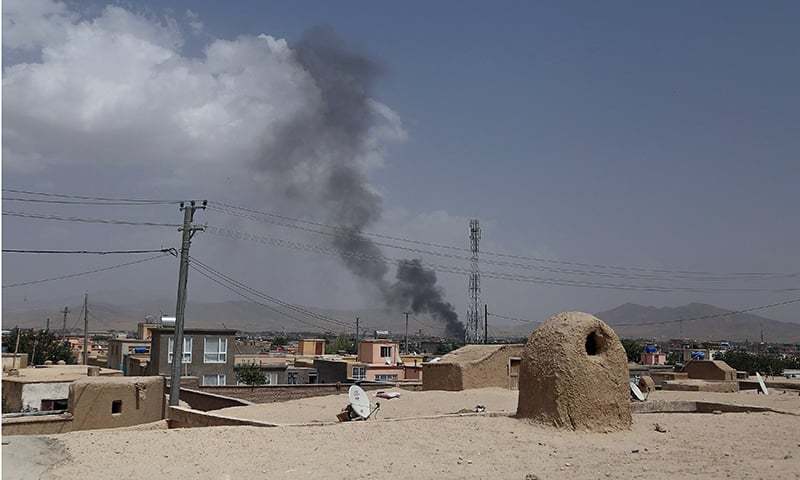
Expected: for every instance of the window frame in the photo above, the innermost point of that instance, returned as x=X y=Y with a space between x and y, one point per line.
x=221 y=354
x=389 y=348
x=362 y=375
x=219 y=376
x=187 y=352
x=386 y=377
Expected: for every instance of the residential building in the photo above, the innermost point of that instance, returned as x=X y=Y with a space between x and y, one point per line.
x=45 y=388
x=379 y=360
x=205 y=354
x=120 y=348
x=474 y=366
x=311 y=346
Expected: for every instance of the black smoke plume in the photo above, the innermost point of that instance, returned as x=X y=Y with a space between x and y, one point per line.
x=328 y=145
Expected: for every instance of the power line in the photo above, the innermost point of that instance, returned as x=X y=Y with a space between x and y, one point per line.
x=88 y=252
x=88 y=272
x=245 y=292
x=80 y=202
x=282 y=303
x=95 y=198
x=515 y=319
x=349 y=231
x=87 y=220
x=238 y=235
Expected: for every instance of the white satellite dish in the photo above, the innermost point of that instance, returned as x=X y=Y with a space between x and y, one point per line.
x=359 y=401
x=637 y=393
x=761 y=385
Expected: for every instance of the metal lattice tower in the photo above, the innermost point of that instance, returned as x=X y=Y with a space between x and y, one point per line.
x=473 y=332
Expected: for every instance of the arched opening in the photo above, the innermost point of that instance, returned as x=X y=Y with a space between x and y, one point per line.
x=594 y=344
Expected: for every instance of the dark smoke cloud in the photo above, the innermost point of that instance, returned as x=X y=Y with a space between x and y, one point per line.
x=326 y=145
x=416 y=287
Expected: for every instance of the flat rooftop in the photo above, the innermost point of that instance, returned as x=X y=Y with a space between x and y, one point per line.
x=55 y=373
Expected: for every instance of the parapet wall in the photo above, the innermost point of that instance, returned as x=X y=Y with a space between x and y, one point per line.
x=283 y=393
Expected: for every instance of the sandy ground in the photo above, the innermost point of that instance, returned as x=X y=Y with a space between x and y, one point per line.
x=409 y=404
x=419 y=404
x=756 y=445
x=730 y=445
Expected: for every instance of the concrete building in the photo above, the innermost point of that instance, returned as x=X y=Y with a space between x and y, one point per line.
x=205 y=354
x=45 y=388
x=311 y=347
x=14 y=361
x=96 y=402
x=120 y=348
x=474 y=366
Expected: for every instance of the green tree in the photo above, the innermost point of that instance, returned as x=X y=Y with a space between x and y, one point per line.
x=673 y=358
x=40 y=345
x=633 y=349
x=280 y=341
x=342 y=343
x=250 y=374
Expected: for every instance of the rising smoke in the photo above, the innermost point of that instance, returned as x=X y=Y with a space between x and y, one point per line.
x=330 y=144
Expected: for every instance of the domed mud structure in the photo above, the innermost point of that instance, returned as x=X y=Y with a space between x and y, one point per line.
x=574 y=374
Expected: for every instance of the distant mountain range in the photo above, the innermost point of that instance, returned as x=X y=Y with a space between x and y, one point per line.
x=629 y=320
x=701 y=321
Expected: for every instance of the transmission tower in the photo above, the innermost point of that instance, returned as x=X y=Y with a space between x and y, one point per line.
x=473 y=332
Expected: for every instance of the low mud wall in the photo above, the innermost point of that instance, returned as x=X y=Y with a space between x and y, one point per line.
x=207 y=401
x=180 y=417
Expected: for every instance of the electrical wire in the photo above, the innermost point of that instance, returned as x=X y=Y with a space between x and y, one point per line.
x=358 y=256
x=87 y=220
x=80 y=202
x=88 y=252
x=94 y=198
x=349 y=231
x=233 y=287
x=88 y=272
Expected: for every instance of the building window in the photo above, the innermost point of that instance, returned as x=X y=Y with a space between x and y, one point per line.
x=215 y=350
x=386 y=352
x=385 y=378
x=116 y=407
x=187 y=349
x=214 y=380
x=291 y=378
x=359 y=373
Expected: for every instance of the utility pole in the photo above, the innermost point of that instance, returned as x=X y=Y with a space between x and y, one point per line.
x=485 y=323
x=406 y=332
x=64 y=325
x=187 y=232
x=357 y=332
x=86 y=328
x=47 y=324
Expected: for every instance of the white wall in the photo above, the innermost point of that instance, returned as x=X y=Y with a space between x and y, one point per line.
x=34 y=393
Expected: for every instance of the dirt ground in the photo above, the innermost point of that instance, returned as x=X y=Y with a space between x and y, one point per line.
x=762 y=445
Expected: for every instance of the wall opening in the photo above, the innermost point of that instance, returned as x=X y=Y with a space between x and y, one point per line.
x=594 y=344
x=116 y=407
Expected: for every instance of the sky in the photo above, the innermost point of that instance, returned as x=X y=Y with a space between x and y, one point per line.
x=661 y=136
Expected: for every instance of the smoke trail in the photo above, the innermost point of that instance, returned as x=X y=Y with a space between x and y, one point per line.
x=319 y=156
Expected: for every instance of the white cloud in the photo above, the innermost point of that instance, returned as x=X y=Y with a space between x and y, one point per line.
x=116 y=90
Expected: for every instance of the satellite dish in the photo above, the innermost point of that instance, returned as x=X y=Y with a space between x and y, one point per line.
x=359 y=401
x=636 y=393
x=761 y=385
